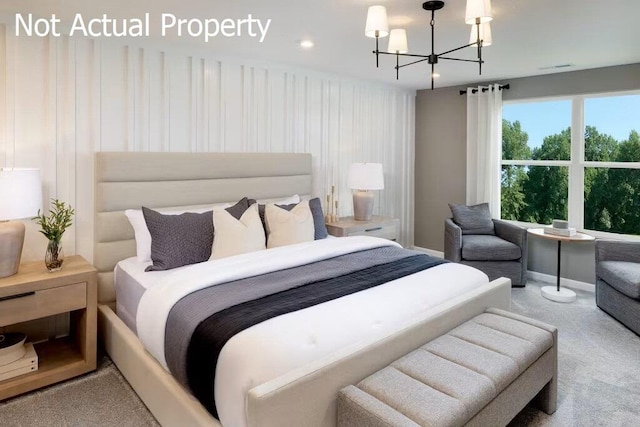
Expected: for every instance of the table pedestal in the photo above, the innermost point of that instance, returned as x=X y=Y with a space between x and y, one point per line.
x=554 y=293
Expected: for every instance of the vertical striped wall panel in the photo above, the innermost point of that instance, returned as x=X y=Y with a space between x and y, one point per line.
x=63 y=99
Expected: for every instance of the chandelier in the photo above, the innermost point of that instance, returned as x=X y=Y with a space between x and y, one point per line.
x=478 y=14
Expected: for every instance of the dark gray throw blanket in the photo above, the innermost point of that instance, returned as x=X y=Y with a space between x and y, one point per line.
x=200 y=324
x=191 y=310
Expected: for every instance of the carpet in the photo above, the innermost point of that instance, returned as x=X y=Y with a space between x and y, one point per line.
x=101 y=398
x=598 y=363
x=599 y=377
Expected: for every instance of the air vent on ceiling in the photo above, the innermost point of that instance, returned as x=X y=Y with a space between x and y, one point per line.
x=553 y=67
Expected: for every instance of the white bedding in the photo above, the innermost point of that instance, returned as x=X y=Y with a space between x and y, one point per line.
x=131 y=282
x=135 y=270
x=279 y=345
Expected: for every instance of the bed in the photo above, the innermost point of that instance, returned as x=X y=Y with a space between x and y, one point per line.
x=303 y=394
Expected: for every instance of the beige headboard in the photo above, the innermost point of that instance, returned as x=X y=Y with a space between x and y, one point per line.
x=164 y=180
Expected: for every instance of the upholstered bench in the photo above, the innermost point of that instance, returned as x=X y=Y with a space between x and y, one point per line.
x=481 y=373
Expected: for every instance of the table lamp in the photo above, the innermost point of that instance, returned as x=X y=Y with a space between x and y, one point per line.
x=20 y=197
x=364 y=177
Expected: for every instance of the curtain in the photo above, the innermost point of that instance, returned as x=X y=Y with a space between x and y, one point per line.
x=484 y=146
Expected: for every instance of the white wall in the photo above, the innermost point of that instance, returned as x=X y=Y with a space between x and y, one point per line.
x=63 y=99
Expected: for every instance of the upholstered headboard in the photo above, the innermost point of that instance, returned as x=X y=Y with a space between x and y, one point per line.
x=166 y=180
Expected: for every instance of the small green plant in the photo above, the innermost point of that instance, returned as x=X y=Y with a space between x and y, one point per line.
x=55 y=224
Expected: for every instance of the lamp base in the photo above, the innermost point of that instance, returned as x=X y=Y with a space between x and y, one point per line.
x=11 y=242
x=362 y=205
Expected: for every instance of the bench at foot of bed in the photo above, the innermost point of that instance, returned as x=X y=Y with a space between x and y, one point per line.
x=481 y=373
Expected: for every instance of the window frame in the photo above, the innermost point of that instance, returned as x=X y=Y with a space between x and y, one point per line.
x=577 y=164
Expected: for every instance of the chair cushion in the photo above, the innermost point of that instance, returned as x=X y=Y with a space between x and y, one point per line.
x=622 y=276
x=473 y=219
x=489 y=248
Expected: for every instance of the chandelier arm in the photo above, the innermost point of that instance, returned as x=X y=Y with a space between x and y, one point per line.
x=458 y=48
x=460 y=59
x=413 y=55
x=417 y=55
x=414 y=62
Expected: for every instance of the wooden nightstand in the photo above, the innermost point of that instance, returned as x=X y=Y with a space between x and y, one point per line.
x=379 y=226
x=35 y=293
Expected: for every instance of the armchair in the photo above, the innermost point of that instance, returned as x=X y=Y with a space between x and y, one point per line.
x=501 y=255
x=618 y=281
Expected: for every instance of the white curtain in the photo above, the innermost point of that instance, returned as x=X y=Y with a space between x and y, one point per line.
x=484 y=146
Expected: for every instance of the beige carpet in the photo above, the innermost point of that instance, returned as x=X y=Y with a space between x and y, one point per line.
x=599 y=381
x=102 y=398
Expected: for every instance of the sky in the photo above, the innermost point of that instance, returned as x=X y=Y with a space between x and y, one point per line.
x=612 y=115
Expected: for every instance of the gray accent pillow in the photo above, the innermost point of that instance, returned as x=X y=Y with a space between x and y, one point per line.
x=239 y=208
x=318 y=219
x=320 y=229
x=178 y=240
x=473 y=219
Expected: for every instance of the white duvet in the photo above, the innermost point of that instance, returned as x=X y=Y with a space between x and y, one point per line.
x=279 y=345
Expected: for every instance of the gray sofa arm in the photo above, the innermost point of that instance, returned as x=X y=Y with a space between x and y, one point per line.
x=616 y=250
x=511 y=233
x=452 y=241
x=518 y=236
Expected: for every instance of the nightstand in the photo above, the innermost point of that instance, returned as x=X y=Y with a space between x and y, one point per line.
x=35 y=293
x=379 y=226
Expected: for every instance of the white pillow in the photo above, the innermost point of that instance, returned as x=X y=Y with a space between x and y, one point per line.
x=289 y=227
x=235 y=237
x=141 y=232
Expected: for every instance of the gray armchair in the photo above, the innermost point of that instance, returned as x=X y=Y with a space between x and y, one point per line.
x=501 y=255
x=618 y=281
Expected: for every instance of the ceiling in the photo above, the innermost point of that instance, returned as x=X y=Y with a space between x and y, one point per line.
x=530 y=37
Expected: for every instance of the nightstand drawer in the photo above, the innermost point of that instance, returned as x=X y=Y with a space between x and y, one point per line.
x=378 y=226
x=387 y=232
x=47 y=302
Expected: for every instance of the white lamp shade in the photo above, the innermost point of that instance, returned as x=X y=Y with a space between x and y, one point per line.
x=485 y=34
x=377 y=21
x=366 y=176
x=20 y=193
x=478 y=9
x=398 y=41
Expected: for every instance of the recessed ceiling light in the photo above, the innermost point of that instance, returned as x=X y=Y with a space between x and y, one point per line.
x=435 y=75
x=306 y=44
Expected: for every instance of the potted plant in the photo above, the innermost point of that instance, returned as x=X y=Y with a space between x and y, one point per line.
x=53 y=227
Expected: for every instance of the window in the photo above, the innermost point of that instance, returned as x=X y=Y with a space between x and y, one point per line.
x=536 y=153
x=576 y=159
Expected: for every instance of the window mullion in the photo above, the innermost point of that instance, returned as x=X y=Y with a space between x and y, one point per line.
x=537 y=163
x=612 y=165
x=576 y=169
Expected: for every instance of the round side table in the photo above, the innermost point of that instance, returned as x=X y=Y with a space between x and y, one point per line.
x=556 y=293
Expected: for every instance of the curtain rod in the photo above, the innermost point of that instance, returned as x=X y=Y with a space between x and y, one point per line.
x=484 y=89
